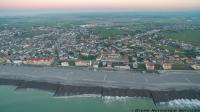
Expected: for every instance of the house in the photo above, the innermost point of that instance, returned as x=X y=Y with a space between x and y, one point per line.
x=141 y=54
x=64 y=64
x=198 y=58
x=167 y=66
x=186 y=46
x=83 y=63
x=109 y=64
x=104 y=64
x=113 y=55
x=150 y=66
x=126 y=67
x=96 y=64
x=39 y=61
x=17 y=61
x=196 y=66
x=135 y=65
x=114 y=58
x=197 y=49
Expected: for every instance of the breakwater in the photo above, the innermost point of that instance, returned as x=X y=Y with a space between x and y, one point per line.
x=69 y=90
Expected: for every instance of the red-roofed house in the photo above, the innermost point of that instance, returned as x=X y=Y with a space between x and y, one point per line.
x=167 y=66
x=150 y=66
x=83 y=63
x=40 y=61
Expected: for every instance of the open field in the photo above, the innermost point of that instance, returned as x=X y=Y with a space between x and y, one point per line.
x=192 y=36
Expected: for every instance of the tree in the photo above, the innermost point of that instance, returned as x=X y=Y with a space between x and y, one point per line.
x=158 y=67
x=142 y=66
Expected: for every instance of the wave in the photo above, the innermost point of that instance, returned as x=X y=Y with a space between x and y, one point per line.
x=110 y=99
x=105 y=99
x=182 y=103
x=79 y=96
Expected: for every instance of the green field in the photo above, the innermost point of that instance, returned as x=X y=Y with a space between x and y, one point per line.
x=109 y=32
x=192 y=36
x=170 y=48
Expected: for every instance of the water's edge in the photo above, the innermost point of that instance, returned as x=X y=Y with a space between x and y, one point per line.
x=70 y=90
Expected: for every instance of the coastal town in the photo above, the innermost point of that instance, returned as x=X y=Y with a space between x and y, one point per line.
x=100 y=55
x=82 y=46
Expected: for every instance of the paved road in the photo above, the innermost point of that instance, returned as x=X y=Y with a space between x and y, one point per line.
x=177 y=80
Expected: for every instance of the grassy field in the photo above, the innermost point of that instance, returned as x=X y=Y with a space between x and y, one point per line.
x=192 y=36
x=170 y=48
x=106 y=32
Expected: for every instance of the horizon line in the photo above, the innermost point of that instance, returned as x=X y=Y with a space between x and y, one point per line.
x=30 y=12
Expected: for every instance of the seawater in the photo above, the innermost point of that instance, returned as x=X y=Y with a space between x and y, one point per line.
x=32 y=100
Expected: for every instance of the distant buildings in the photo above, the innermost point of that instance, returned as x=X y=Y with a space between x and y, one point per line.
x=81 y=46
x=197 y=49
x=186 y=46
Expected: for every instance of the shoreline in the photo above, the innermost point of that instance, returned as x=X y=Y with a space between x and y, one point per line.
x=60 y=90
x=163 y=87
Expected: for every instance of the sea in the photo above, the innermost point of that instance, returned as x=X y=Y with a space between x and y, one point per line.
x=32 y=100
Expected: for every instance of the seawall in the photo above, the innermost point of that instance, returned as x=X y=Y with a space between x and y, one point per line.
x=69 y=90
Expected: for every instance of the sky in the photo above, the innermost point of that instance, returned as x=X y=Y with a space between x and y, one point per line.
x=99 y=4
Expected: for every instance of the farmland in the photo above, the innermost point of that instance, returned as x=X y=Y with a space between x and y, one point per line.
x=192 y=36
